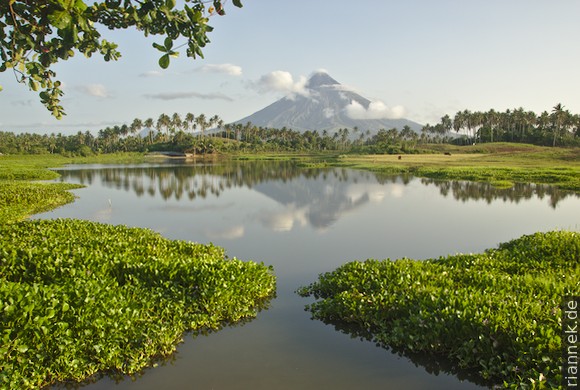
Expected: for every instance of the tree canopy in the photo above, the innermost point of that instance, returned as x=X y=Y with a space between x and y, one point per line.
x=36 y=34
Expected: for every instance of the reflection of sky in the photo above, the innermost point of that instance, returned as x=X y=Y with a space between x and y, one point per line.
x=319 y=203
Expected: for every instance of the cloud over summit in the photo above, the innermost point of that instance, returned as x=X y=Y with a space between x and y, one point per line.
x=281 y=81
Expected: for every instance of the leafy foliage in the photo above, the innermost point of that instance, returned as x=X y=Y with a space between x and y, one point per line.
x=79 y=297
x=20 y=196
x=19 y=200
x=497 y=313
x=35 y=35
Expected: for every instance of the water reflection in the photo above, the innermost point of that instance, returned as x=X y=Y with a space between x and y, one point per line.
x=467 y=190
x=309 y=196
x=433 y=364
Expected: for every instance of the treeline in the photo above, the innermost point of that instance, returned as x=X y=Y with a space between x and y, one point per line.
x=557 y=128
x=205 y=135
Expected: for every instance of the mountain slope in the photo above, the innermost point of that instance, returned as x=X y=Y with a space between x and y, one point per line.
x=323 y=106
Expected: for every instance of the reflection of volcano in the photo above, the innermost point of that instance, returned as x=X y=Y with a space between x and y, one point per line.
x=317 y=202
x=306 y=196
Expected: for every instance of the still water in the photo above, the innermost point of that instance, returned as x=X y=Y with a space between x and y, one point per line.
x=305 y=222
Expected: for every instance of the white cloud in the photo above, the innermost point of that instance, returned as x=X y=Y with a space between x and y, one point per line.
x=375 y=110
x=281 y=81
x=188 y=95
x=229 y=233
x=97 y=90
x=230 y=69
x=151 y=73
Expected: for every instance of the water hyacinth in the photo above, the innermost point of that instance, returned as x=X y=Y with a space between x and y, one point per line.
x=80 y=297
x=496 y=314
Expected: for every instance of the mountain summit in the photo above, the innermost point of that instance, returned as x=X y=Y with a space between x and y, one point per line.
x=325 y=104
x=320 y=79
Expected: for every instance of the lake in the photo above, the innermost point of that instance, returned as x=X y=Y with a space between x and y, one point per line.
x=304 y=222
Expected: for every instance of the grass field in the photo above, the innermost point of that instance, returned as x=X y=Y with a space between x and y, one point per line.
x=501 y=164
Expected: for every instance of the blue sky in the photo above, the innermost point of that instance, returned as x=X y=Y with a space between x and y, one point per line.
x=430 y=57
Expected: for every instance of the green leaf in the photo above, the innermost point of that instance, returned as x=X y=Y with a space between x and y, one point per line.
x=33 y=85
x=164 y=61
x=60 y=19
x=168 y=43
x=80 y=5
x=22 y=348
x=159 y=47
x=237 y=3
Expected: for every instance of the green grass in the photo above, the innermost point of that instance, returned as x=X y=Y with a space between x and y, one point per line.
x=499 y=164
x=78 y=297
x=495 y=314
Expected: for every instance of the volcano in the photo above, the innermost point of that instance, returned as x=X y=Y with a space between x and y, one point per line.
x=326 y=104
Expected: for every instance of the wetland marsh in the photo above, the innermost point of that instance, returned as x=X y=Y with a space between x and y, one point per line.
x=305 y=222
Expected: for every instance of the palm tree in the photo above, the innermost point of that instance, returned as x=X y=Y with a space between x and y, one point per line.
x=201 y=121
x=136 y=125
x=446 y=123
x=213 y=121
x=507 y=120
x=176 y=123
x=491 y=118
x=458 y=121
x=220 y=123
x=148 y=123
x=558 y=118
x=228 y=129
x=163 y=122
x=189 y=121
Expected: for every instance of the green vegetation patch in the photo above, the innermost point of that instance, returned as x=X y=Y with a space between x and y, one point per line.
x=496 y=314
x=79 y=297
x=563 y=178
x=20 y=199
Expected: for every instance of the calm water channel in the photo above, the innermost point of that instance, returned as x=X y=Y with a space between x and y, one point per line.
x=305 y=222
